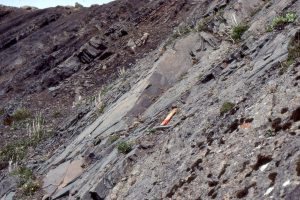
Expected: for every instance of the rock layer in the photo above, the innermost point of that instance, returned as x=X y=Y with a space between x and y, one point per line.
x=236 y=135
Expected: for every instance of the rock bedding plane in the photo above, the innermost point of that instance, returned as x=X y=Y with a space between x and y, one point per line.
x=99 y=81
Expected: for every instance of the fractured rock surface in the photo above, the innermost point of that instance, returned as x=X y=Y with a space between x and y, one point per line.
x=250 y=150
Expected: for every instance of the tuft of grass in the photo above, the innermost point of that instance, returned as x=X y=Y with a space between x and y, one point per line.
x=17 y=150
x=30 y=187
x=122 y=72
x=21 y=114
x=27 y=181
x=99 y=104
x=284 y=66
x=280 y=22
x=124 y=147
x=238 y=31
x=270 y=133
x=113 y=138
x=202 y=25
x=226 y=107
x=36 y=130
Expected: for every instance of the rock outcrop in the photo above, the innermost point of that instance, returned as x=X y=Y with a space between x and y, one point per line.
x=236 y=132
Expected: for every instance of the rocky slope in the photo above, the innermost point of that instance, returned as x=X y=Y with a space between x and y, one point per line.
x=231 y=68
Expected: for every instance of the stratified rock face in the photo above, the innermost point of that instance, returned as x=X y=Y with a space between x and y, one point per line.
x=46 y=55
x=236 y=131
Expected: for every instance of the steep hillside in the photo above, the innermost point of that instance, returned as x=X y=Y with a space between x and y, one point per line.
x=99 y=81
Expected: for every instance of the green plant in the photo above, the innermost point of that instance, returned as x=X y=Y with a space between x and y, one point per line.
x=15 y=151
x=202 y=25
x=238 y=31
x=124 y=147
x=27 y=182
x=21 y=114
x=105 y=90
x=293 y=53
x=30 y=187
x=99 y=104
x=226 y=107
x=113 y=138
x=285 y=65
x=122 y=72
x=36 y=130
x=270 y=133
x=280 y=21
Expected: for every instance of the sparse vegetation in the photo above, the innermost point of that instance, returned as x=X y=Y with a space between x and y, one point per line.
x=17 y=150
x=21 y=114
x=270 y=133
x=280 y=22
x=202 y=25
x=124 y=147
x=293 y=53
x=285 y=65
x=35 y=129
x=238 y=31
x=226 y=107
x=27 y=181
x=114 y=138
x=99 y=104
x=294 y=47
x=122 y=72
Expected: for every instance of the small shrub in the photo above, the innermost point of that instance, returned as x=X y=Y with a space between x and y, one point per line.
x=15 y=151
x=24 y=174
x=226 y=107
x=280 y=21
x=202 y=25
x=238 y=31
x=124 y=147
x=27 y=182
x=30 y=187
x=21 y=114
x=113 y=138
